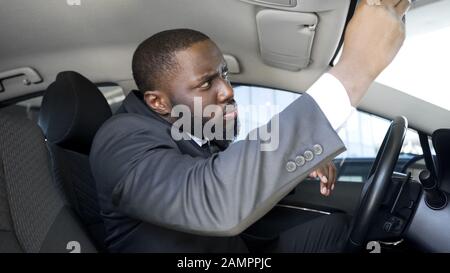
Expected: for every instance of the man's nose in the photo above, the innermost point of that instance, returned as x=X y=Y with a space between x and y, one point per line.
x=226 y=92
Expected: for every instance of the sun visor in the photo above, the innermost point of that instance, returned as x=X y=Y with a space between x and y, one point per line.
x=286 y=38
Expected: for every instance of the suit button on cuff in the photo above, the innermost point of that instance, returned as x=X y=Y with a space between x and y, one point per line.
x=300 y=160
x=318 y=149
x=308 y=155
x=290 y=166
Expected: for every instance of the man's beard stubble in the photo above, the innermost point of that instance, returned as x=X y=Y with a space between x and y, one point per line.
x=229 y=127
x=230 y=131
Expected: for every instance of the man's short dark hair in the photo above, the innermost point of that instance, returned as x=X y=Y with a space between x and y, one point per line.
x=154 y=59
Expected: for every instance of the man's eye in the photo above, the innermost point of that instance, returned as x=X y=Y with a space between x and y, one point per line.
x=225 y=75
x=205 y=85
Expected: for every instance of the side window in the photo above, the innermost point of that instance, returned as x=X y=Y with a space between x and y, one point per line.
x=114 y=95
x=260 y=104
x=362 y=134
x=30 y=107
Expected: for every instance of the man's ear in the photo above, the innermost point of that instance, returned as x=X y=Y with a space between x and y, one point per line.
x=158 y=101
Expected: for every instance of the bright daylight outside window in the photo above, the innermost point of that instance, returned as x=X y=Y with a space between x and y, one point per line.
x=421 y=68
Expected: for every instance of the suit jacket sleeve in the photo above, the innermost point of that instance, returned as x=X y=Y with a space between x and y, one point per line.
x=218 y=196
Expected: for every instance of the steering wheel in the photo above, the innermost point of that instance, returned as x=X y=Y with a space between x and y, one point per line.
x=379 y=180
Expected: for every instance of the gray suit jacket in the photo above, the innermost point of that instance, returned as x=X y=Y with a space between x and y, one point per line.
x=157 y=194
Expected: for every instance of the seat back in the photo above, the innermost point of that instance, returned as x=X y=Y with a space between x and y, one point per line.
x=33 y=215
x=72 y=111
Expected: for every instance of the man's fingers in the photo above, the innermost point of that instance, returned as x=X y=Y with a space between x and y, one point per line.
x=322 y=173
x=391 y=3
x=327 y=176
x=331 y=176
x=323 y=181
x=373 y=2
x=323 y=189
x=402 y=7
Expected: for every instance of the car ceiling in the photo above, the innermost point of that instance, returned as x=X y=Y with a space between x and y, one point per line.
x=97 y=38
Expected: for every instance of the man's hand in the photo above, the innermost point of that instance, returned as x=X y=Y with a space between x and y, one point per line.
x=372 y=40
x=327 y=175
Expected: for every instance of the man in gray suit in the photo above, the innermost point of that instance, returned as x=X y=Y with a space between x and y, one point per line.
x=197 y=194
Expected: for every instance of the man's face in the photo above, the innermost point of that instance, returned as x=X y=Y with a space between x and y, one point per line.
x=202 y=74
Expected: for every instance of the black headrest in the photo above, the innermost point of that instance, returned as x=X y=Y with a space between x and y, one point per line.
x=72 y=111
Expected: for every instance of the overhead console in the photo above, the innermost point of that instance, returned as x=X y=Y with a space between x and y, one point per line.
x=287 y=30
x=286 y=38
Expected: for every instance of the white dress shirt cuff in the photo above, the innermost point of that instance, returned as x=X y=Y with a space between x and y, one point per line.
x=333 y=100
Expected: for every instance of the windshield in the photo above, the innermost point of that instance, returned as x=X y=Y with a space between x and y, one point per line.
x=421 y=68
